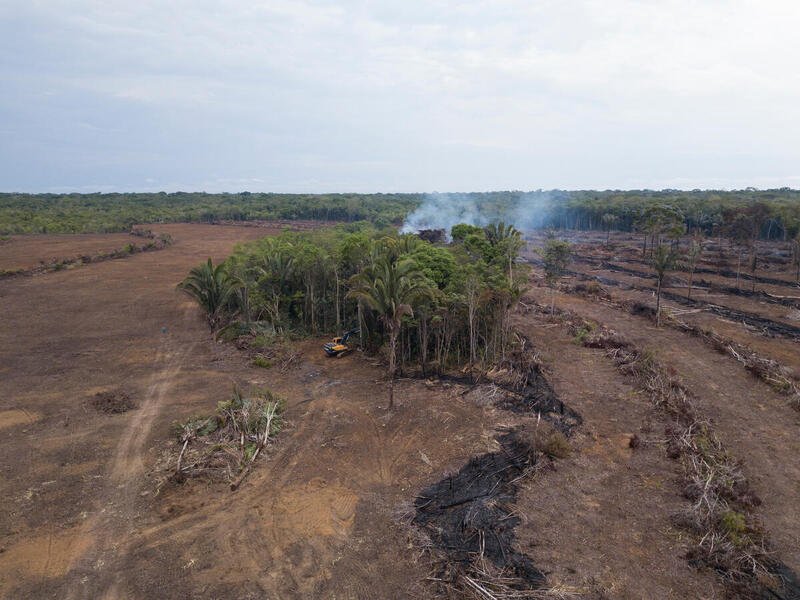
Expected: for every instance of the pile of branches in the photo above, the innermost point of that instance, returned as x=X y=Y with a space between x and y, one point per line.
x=768 y=370
x=226 y=445
x=721 y=514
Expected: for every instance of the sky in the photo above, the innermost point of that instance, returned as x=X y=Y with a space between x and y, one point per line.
x=398 y=96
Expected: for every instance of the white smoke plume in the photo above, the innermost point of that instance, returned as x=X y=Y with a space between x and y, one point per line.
x=524 y=210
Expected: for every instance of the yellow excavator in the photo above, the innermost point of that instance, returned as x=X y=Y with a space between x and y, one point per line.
x=339 y=346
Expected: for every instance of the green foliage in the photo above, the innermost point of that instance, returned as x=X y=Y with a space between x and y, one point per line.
x=663 y=260
x=462 y=230
x=212 y=288
x=734 y=524
x=437 y=264
x=262 y=361
x=556 y=256
x=84 y=213
x=435 y=305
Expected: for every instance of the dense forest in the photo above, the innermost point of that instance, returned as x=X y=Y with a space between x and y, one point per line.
x=430 y=306
x=105 y=213
x=710 y=212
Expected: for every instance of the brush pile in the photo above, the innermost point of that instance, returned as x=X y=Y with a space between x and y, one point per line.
x=731 y=540
x=224 y=446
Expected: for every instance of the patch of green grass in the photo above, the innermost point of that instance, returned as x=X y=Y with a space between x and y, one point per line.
x=262 y=361
x=735 y=525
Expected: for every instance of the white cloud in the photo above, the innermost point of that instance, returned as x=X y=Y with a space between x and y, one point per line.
x=414 y=95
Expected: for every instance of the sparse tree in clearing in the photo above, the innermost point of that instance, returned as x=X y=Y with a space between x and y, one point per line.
x=609 y=220
x=556 y=256
x=213 y=289
x=662 y=261
x=796 y=257
x=659 y=220
x=390 y=287
x=692 y=256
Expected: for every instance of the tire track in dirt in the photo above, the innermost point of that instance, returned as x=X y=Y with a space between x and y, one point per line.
x=753 y=421
x=111 y=528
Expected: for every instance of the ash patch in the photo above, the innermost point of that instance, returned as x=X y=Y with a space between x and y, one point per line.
x=469 y=515
x=114 y=402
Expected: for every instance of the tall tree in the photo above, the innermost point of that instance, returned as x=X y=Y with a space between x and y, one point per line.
x=609 y=220
x=556 y=256
x=662 y=261
x=390 y=287
x=692 y=256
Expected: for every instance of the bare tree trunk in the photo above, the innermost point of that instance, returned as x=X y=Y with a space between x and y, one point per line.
x=360 y=326
x=423 y=342
x=691 y=277
x=392 y=363
x=552 y=301
x=658 y=302
x=738 y=267
x=336 y=302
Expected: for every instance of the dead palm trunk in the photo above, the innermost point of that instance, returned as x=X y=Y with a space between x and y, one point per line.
x=392 y=362
x=738 y=267
x=658 y=302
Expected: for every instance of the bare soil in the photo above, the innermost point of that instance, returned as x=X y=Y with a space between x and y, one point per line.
x=327 y=512
x=753 y=420
x=320 y=517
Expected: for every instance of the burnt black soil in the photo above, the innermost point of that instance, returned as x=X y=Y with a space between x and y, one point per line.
x=730 y=290
x=469 y=514
x=538 y=398
x=727 y=273
x=766 y=327
x=790 y=588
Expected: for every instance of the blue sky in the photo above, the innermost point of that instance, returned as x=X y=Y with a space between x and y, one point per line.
x=315 y=96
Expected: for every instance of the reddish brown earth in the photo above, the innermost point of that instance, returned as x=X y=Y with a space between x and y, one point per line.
x=324 y=514
x=320 y=517
x=753 y=420
x=29 y=251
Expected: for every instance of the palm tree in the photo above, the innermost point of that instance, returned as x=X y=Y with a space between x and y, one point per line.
x=509 y=238
x=213 y=289
x=390 y=286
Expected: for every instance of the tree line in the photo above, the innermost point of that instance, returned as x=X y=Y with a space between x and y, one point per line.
x=106 y=213
x=704 y=211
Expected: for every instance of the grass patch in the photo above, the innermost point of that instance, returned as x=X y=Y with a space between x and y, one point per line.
x=262 y=361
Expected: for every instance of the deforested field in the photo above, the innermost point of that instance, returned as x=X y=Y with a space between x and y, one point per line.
x=601 y=456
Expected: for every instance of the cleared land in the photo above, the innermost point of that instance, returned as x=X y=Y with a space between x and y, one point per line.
x=96 y=363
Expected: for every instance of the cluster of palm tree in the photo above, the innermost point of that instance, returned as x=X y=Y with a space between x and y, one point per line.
x=424 y=305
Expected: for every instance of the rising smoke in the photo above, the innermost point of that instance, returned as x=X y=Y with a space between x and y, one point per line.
x=524 y=210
